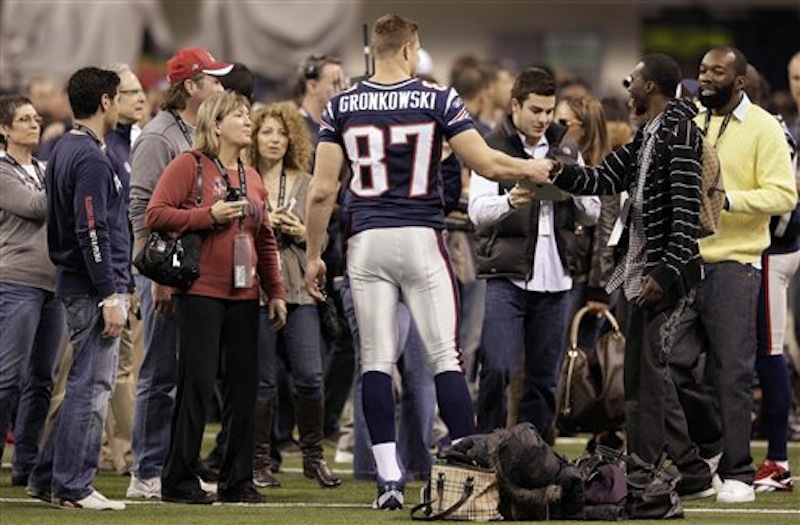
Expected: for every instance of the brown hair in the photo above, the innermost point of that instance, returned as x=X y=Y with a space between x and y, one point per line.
x=211 y=112
x=9 y=106
x=594 y=143
x=176 y=96
x=534 y=80
x=390 y=33
x=298 y=154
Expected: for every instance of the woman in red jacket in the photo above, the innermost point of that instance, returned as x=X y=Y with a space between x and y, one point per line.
x=218 y=315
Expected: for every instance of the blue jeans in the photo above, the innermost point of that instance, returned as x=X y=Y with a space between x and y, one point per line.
x=417 y=402
x=514 y=316
x=67 y=463
x=155 y=392
x=722 y=322
x=301 y=347
x=31 y=328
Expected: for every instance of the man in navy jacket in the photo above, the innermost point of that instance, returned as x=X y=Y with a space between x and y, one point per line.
x=89 y=242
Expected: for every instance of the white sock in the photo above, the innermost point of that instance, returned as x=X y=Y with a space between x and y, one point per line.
x=783 y=464
x=386 y=461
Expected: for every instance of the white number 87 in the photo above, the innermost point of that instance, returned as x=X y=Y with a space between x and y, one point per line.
x=370 y=176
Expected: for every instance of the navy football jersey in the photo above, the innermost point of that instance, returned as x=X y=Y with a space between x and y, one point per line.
x=392 y=137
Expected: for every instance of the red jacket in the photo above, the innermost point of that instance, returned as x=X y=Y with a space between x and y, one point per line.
x=172 y=208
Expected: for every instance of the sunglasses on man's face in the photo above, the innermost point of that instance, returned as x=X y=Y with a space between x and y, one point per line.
x=627 y=81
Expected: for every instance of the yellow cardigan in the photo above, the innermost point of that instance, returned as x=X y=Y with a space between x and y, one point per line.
x=759 y=182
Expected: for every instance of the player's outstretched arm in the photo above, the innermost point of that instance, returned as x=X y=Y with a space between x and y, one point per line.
x=321 y=198
x=496 y=165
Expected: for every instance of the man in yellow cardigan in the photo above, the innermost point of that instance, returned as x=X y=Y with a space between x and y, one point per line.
x=759 y=183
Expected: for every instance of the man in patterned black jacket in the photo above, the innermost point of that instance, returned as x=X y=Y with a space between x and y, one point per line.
x=658 y=262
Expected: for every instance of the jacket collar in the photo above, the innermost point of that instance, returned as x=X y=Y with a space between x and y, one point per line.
x=554 y=134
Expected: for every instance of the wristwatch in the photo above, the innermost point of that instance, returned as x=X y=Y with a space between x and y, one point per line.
x=109 y=302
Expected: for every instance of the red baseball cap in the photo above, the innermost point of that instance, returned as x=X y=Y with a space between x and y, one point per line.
x=191 y=61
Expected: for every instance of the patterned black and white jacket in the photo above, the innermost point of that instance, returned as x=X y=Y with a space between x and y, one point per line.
x=671 y=197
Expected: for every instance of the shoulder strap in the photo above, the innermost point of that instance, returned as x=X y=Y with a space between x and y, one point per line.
x=198 y=198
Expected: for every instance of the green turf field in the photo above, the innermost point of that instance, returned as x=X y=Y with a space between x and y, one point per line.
x=301 y=502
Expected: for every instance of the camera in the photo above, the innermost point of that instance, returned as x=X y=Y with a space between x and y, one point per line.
x=233 y=194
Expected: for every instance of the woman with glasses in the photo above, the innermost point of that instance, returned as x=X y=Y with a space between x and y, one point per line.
x=31 y=318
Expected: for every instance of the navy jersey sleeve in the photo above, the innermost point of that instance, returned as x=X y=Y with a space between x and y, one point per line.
x=328 y=130
x=456 y=116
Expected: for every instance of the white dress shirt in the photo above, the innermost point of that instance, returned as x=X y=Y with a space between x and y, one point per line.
x=486 y=206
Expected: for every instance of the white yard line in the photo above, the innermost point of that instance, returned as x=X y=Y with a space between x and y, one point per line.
x=709 y=510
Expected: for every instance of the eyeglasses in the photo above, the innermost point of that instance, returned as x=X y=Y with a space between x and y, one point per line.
x=567 y=123
x=131 y=91
x=28 y=119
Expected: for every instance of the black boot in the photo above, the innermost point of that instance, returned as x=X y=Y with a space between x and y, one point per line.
x=309 y=413
x=262 y=472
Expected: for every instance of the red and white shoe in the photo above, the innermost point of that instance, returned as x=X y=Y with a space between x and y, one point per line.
x=772 y=477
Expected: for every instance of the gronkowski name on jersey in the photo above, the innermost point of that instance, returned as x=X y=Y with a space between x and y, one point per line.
x=392 y=136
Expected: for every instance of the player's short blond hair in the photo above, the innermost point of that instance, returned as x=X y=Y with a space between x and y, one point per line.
x=392 y=32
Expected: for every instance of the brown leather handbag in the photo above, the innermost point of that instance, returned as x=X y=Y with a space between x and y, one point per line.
x=591 y=392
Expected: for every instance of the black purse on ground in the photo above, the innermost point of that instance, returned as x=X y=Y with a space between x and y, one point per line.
x=170 y=260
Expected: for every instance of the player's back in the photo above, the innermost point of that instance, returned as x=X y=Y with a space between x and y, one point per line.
x=392 y=136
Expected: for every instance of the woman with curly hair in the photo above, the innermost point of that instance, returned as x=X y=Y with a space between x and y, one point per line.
x=280 y=151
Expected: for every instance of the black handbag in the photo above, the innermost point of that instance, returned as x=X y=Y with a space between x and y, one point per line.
x=591 y=392
x=171 y=260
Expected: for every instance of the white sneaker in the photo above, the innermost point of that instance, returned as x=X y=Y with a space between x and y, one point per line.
x=716 y=482
x=94 y=501
x=208 y=487
x=735 y=491
x=713 y=463
x=343 y=456
x=144 y=488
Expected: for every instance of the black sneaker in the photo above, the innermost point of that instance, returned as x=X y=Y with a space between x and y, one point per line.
x=193 y=496
x=390 y=496
x=246 y=493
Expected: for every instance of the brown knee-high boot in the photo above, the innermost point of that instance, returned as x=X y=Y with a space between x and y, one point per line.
x=262 y=473
x=309 y=413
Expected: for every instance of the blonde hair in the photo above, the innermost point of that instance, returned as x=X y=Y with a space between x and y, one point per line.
x=298 y=154
x=594 y=144
x=211 y=112
x=390 y=33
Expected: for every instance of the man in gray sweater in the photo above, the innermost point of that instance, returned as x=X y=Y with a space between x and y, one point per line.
x=193 y=75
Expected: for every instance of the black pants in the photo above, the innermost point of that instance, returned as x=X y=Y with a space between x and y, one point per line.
x=654 y=416
x=722 y=325
x=214 y=335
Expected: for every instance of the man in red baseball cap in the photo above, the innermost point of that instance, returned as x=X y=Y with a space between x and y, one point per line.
x=191 y=61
